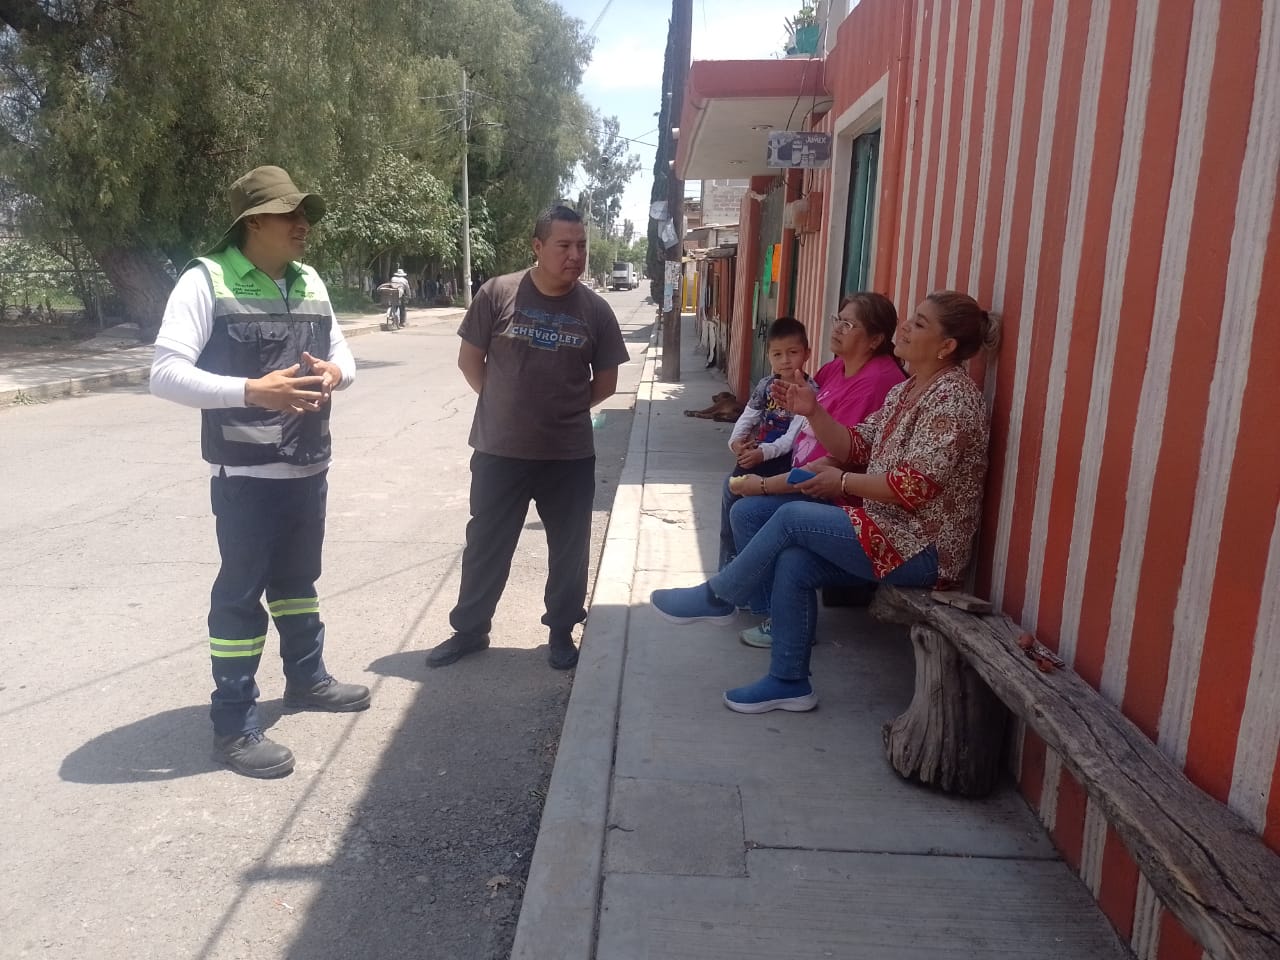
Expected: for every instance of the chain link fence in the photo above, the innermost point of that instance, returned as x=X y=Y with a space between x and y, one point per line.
x=55 y=296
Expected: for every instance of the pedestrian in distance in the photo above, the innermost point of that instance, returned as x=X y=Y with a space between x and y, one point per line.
x=400 y=280
x=541 y=350
x=249 y=337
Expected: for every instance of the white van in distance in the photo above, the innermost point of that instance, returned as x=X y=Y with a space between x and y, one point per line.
x=624 y=276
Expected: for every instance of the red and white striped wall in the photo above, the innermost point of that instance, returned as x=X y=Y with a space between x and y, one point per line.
x=1103 y=174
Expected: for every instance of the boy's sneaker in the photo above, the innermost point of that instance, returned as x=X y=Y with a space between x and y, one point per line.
x=758 y=636
x=692 y=605
x=770 y=693
x=253 y=755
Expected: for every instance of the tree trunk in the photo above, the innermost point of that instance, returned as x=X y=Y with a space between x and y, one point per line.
x=140 y=281
x=952 y=734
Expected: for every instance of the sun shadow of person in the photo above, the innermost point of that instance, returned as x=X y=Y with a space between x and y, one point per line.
x=167 y=746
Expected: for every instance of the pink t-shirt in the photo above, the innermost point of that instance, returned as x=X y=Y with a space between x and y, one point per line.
x=849 y=400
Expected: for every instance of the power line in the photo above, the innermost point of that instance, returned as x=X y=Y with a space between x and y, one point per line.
x=565 y=120
x=596 y=24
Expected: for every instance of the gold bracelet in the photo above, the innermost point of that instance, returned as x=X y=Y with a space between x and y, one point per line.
x=842 y=489
x=763 y=491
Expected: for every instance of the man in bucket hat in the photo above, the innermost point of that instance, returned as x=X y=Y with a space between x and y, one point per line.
x=249 y=337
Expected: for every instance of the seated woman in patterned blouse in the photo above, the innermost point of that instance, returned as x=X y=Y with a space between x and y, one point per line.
x=925 y=457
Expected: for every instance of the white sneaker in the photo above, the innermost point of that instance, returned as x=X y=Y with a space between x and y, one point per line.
x=761 y=636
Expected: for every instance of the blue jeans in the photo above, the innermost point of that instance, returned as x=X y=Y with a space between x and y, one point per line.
x=768 y=468
x=802 y=547
x=748 y=515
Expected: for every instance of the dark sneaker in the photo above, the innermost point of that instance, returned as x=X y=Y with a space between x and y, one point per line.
x=253 y=755
x=328 y=695
x=561 y=653
x=457 y=647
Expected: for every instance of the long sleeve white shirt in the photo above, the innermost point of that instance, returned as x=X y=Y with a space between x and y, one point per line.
x=184 y=331
x=750 y=419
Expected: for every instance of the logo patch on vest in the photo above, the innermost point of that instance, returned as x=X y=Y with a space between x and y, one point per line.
x=246 y=288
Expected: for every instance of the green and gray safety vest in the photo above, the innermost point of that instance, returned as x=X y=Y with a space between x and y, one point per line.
x=257 y=330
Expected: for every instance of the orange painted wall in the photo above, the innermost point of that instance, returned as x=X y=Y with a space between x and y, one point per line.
x=1104 y=176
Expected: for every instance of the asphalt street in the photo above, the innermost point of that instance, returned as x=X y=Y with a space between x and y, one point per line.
x=405 y=831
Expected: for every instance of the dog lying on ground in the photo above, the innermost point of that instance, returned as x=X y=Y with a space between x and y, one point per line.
x=724 y=408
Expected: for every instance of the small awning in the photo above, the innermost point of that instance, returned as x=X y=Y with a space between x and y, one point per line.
x=731 y=106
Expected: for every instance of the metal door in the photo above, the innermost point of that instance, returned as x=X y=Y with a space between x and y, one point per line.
x=858 y=241
x=766 y=303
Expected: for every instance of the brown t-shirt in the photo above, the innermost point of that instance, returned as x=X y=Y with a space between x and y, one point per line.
x=540 y=352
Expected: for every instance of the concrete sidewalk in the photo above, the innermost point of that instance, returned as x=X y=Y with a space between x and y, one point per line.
x=74 y=369
x=674 y=828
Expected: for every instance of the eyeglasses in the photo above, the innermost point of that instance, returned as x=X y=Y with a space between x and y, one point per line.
x=840 y=325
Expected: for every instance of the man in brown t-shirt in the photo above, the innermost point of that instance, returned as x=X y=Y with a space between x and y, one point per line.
x=541 y=350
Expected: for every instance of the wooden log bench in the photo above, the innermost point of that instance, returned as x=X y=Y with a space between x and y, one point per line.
x=1208 y=867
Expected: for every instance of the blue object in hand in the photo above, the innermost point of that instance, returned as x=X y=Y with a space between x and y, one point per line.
x=800 y=475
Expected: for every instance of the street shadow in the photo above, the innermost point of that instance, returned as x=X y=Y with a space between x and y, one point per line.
x=434 y=864
x=167 y=746
x=375 y=364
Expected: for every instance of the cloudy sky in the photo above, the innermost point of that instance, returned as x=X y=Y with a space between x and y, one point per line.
x=625 y=75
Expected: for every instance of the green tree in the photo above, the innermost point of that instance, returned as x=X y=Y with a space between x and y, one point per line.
x=122 y=123
x=399 y=208
x=604 y=251
x=608 y=168
x=637 y=252
x=529 y=126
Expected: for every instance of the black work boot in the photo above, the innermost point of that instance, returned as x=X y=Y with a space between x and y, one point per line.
x=328 y=694
x=457 y=647
x=561 y=653
x=253 y=755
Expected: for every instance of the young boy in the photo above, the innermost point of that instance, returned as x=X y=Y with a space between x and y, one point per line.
x=762 y=438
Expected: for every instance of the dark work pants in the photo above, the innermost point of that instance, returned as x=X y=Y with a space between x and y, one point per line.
x=501 y=489
x=270 y=536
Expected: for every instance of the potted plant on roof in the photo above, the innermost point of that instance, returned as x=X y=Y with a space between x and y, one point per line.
x=802 y=31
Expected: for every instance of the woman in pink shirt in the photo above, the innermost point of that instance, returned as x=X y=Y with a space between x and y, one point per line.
x=919 y=463
x=850 y=388
x=853 y=386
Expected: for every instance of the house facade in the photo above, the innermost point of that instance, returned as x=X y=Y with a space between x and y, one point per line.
x=1102 y=175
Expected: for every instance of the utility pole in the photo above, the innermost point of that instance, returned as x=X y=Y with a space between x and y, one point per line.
x=466 y=196
x=681 y=28
x=586 y=224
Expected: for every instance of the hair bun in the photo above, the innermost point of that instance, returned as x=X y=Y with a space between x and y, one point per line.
x=991 y=325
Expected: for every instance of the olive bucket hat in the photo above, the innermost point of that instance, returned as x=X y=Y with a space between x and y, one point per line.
x=267 y=190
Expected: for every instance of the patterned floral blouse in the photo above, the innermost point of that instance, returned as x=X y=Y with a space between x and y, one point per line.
x=933 y=452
